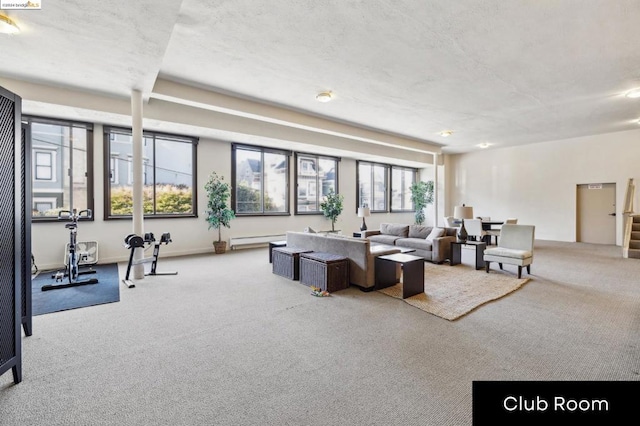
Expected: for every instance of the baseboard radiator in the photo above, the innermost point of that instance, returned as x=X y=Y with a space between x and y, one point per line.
x=239 y=242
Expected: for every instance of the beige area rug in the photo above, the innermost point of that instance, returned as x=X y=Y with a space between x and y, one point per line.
x=453 y=291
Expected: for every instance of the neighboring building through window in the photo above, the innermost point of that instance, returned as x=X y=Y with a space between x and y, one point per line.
x=372 y=186
x=260 y=180
x=315 y=177
x=61 y=153
x=168 y=174
x=401 y=180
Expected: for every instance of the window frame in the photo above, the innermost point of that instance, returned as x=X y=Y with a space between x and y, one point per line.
x=318 y=194
x=387 y=202
x=89 y=159
x=414 y=174
x=262 y=150
x=107 y=131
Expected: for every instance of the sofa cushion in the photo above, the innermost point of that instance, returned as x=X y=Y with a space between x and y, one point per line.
x=435 y=233
x=383 y=238
x=415 y=243
x=419 y=231
x=397 y=229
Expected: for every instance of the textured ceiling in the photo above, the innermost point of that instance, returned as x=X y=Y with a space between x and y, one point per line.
x=501 y=72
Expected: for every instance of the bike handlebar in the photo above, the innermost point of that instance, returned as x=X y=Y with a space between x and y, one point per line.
x=74 y=215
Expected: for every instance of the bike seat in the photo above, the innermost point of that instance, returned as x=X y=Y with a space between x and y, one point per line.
x=70 y=225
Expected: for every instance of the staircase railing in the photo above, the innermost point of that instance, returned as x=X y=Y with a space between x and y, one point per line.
x=628 y=217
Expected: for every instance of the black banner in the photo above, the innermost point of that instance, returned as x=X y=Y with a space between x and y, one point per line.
x=549 y=403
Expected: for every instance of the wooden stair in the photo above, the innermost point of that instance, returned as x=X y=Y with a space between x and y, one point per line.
x=634 y=240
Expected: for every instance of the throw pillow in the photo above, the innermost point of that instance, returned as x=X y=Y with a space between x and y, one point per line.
x=435 y=233
x=309 y=230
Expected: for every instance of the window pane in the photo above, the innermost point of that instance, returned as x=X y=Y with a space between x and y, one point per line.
x=327 y=175
x=306 y=183
x=174 y=178
x=364 y=185
x=248 y=181
x=275 y=182
x=121 y=190
x=401 y=190
x=79 y=169
x=60 y=173
x=380 y=190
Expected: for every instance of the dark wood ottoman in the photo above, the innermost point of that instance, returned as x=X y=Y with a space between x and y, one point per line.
x=286 y=261
x=327 y=271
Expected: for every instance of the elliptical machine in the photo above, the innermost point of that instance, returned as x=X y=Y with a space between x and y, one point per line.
x=73 y=257
x=133 y=241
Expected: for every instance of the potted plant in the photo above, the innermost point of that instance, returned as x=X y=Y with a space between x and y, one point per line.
x=332 y=207
x=218 y=214
x=421 y=196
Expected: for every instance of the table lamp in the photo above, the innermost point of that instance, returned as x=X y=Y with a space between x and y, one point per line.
x=462 y=212
x=364 y=212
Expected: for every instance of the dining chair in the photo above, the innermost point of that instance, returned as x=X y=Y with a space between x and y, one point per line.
x=474 y=229
x=496 y=232
x=449 y=222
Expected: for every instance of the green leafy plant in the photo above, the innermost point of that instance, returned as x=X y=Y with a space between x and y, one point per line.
x=332 y=207
x=421 y=196
x=218 y=194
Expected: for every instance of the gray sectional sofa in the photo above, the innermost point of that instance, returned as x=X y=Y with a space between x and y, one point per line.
x=433 y=248
x=357 y=250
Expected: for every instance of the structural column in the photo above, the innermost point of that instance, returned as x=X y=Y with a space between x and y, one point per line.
x=138 y=210
x=436 y=209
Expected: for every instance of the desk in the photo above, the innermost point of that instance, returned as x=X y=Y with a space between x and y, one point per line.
x=412 y=273
x=456 y=252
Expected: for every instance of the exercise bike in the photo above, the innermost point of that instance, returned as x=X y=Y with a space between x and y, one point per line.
x=133 y=241
x=73 y=257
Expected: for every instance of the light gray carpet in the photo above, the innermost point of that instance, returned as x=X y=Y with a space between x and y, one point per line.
x=226 y=342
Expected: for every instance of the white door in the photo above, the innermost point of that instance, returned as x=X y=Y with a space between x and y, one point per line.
x=596 y=210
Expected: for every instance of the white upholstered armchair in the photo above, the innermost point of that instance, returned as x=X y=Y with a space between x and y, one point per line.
x=514 y=248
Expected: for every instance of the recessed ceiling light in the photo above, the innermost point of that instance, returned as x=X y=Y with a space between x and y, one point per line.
x=7 y=26
x=484 y=145
x=446 y=133
x=635 y=93
x=324 y=96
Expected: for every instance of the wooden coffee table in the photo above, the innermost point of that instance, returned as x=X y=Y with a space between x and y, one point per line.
x=412 y=273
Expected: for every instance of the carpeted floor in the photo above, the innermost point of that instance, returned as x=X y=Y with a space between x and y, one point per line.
x=451 y=292
x=227 y=342
x=107 y=290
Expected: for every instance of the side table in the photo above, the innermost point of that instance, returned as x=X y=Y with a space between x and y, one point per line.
x=412 y=273
x=456 y=252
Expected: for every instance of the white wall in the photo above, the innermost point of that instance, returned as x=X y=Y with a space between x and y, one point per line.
x=191 y=235
x=537 y=183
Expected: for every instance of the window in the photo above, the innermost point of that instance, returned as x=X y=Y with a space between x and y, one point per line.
x=43 y=165
x=168 y=172
x=62 y=175
x=260 y=181
x=315 y=177
x=372 y=186
x=401 y=181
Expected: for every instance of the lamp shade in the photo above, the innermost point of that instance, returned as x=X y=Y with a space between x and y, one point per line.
x=463 y=212
x=364 y=212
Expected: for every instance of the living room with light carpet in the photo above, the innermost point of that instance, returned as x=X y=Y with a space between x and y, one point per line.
x=228 y=342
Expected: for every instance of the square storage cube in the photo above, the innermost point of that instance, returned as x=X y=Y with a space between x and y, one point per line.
x=286 y=261
x=327 y=271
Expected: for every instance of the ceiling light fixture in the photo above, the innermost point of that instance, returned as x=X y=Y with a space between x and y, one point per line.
x=446 y=133
x=484 y=145
x=635 y=93
x=324 y=96
x=7 y=26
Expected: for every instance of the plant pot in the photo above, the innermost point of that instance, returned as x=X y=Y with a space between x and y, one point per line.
x=220 y=246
